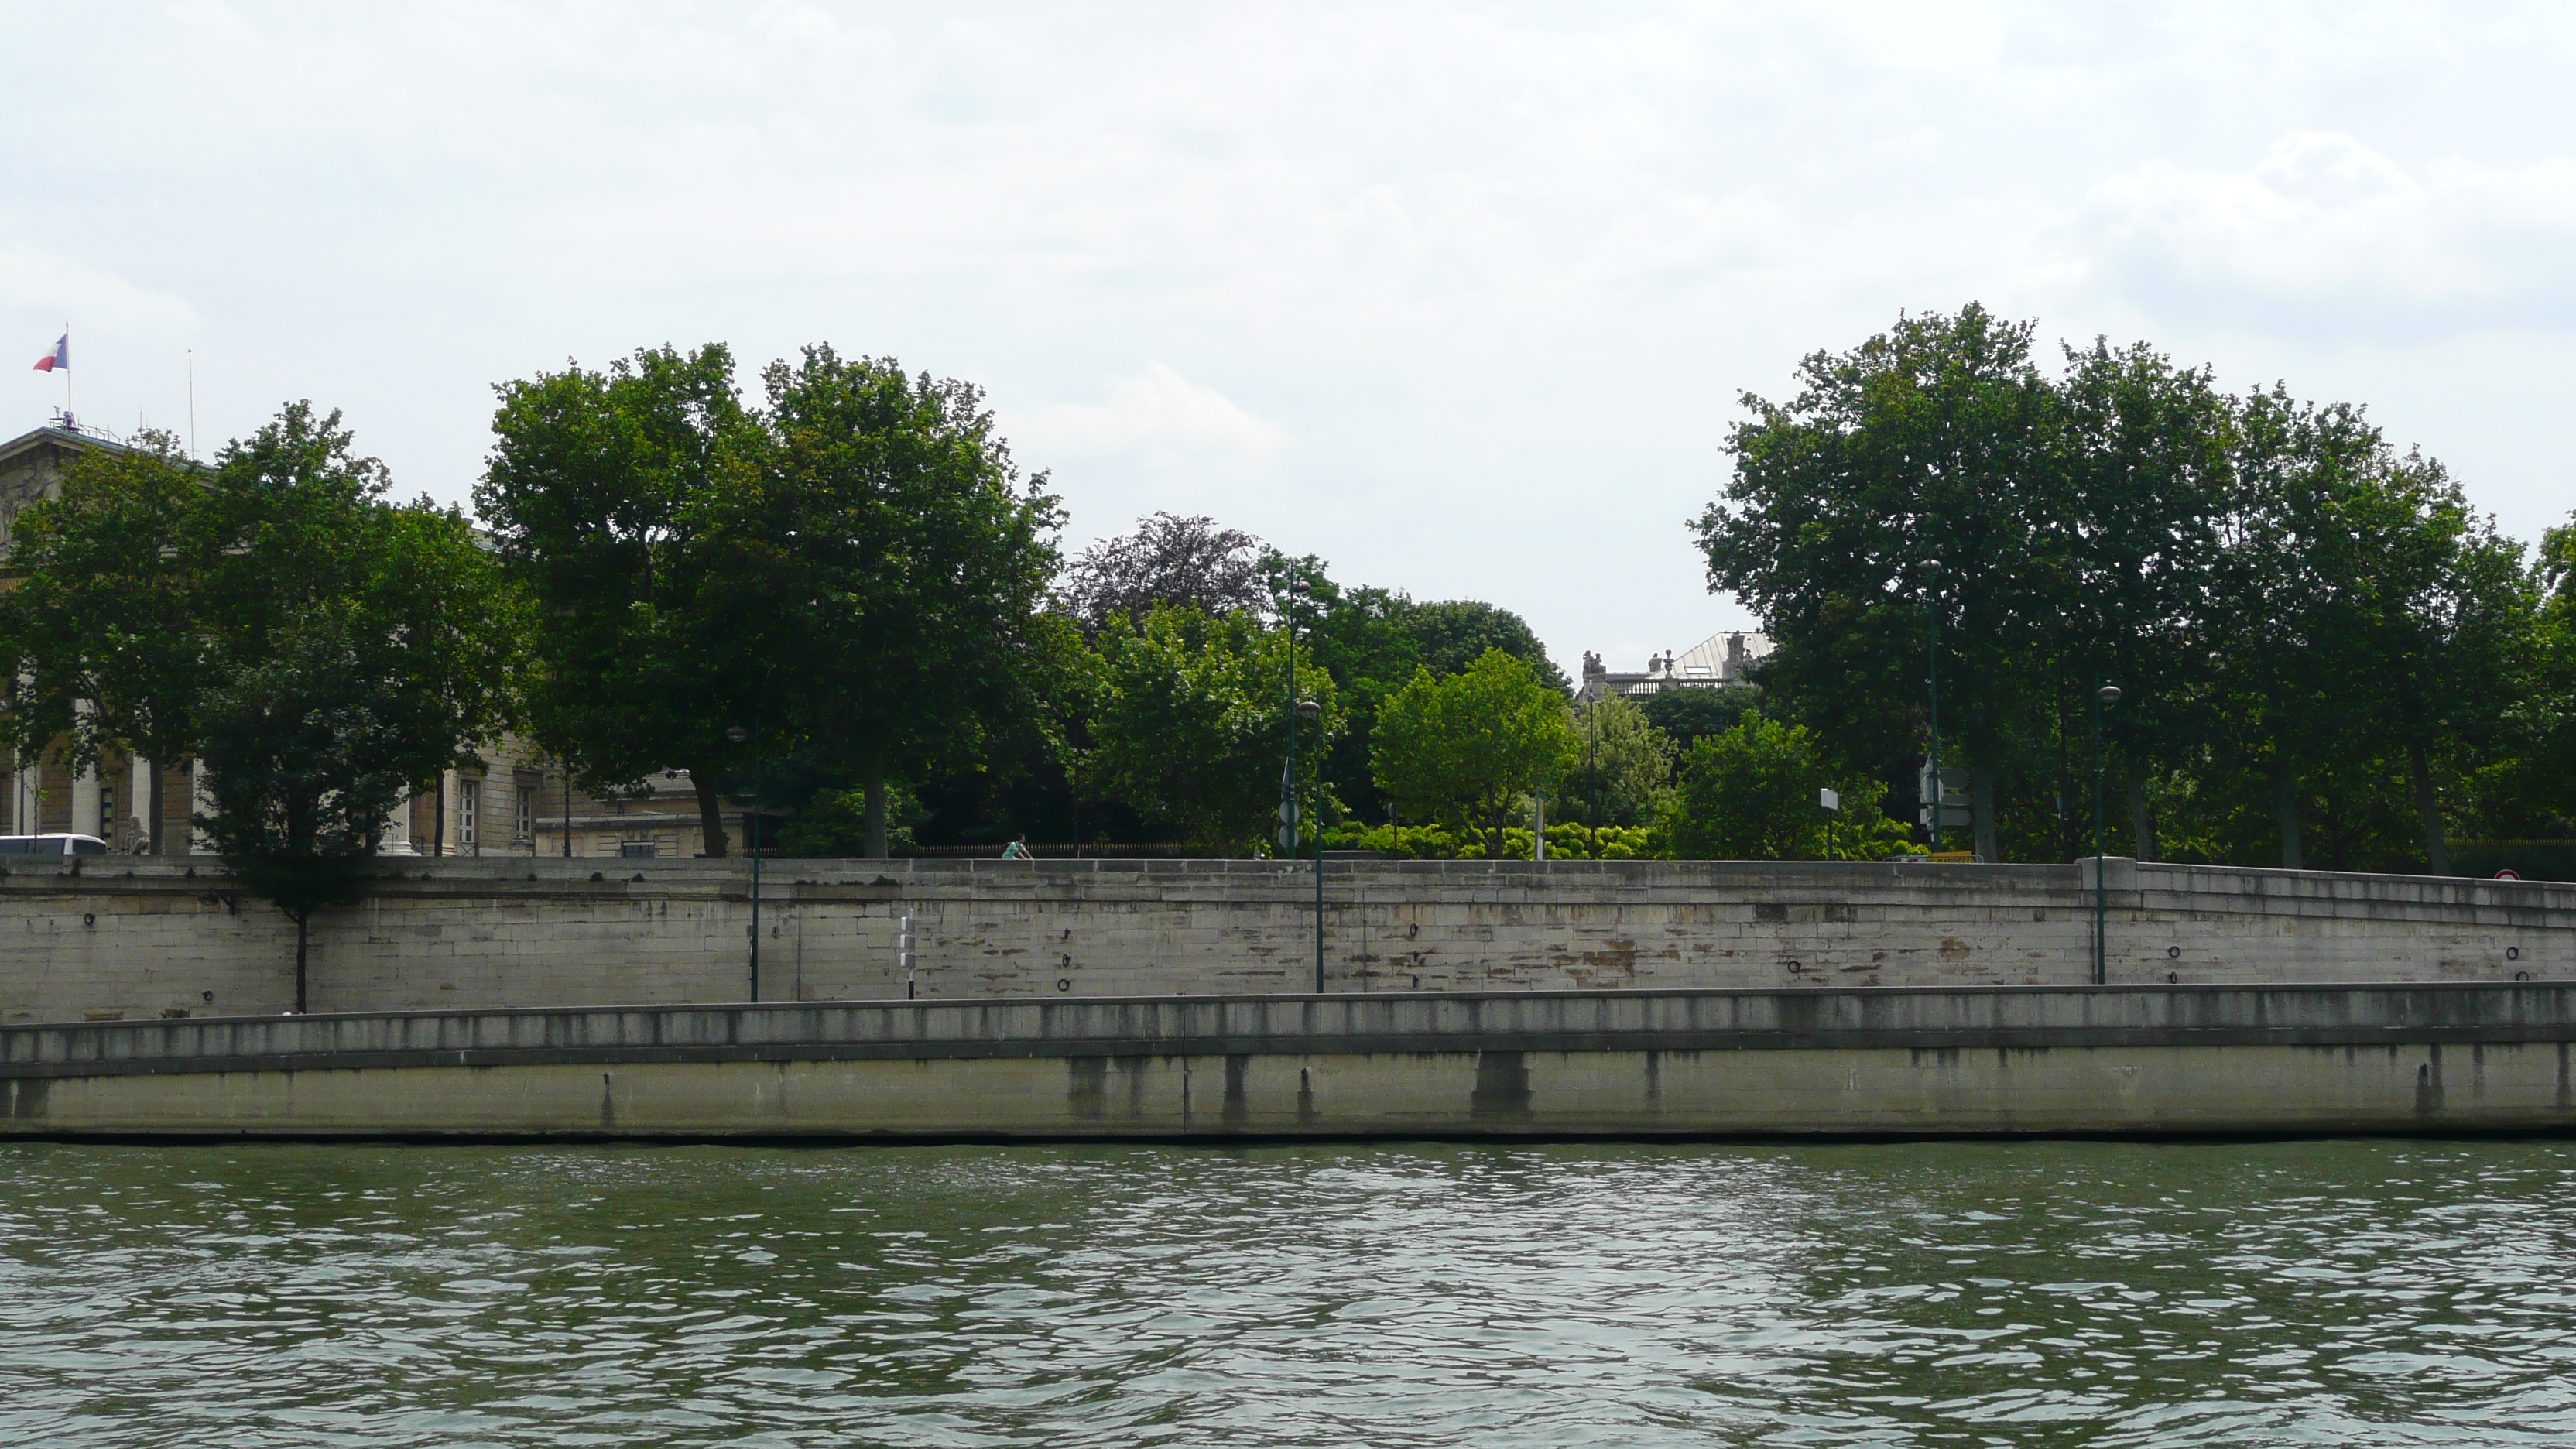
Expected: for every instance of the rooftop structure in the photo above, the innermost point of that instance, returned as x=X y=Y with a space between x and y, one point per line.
x=1718 y=659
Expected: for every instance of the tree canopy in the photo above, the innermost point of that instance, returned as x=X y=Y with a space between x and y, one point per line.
x=1470 y=747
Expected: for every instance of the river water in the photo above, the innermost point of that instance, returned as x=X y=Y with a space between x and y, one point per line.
x=2368 y=1292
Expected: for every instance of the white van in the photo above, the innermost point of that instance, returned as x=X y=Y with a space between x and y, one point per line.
x=52 y=845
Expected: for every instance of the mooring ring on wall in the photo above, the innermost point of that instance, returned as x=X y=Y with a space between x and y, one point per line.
x=2173 y=953
x=1796 y=966
x=1064 y=983
x=89 y=918
x=2513 y=953
x=2173 y=978
x=2522 y=976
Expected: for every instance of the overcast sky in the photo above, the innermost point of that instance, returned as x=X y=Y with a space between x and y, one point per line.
x=1461 y=298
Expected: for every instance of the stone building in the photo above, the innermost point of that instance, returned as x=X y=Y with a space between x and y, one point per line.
x=1718 y=659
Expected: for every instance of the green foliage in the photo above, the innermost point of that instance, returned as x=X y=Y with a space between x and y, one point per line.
x=1684 y=715
x=1626 y=770
x=1191 y=715
x=900 y=560
x=2323 y=652
x=1450 y=635
x=362 y=650
x=607 y=494
x=104 y=611
x=834 y=824
x=1752 y=794
x=850 y=573
x=1439 y=842
x=1467 y=748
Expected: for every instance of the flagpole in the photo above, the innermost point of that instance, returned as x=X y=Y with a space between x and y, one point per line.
x=68 y=415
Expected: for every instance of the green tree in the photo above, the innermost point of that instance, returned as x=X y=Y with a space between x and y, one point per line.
x=103 y=619
x=1627 y=764
x=1191 y=717
x=901 y=563
x=1684 y=715
x=1450 y=635
x=609 y=496
x=1917 y=478
x=2148 y=483
x=1752 y=793
x=1470 y=747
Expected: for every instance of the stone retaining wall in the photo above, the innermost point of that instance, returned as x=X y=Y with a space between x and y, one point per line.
x=127 y=939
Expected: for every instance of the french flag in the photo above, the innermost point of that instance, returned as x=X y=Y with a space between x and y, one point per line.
x=60 y=357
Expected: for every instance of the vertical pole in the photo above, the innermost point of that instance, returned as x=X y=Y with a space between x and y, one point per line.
x=567 y=797
x=750 y=832
x=2100 y=897
x=1937 y=790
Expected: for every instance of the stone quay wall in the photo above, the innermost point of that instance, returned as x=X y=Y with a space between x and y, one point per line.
x=1802 y=1061
x=121 y=938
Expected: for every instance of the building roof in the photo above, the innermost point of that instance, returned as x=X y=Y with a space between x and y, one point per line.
x=58 y=437
x=1718 y=659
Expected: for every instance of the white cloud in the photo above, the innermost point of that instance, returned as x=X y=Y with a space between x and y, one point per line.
x=2325 y=232
x=1161 y=427
x=1457 y=295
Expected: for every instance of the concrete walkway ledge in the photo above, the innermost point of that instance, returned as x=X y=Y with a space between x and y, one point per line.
x=1815 y=1062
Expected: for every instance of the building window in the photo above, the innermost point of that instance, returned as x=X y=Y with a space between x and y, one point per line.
x=469 y=796
x=525 y=827
x=636 y=850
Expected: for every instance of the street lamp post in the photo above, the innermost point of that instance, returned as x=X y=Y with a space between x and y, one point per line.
x=1932 y=605
x=1290 y=809
x=1309 y=709
x=738 y=735
x=2107 y=694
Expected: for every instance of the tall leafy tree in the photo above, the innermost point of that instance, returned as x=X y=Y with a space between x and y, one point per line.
x=1192 y=716
x=103 y=620
x=1165 y=560
x=2147 y=483
x=1470 y=747
x=1450 y=635
x=1915 y=480
x=902 y=561
x=614 y=499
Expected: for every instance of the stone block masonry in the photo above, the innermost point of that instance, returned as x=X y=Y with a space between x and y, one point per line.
x=122 y=938
x=1804 y=1061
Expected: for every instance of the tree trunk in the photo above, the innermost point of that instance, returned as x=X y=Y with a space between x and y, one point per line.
x=152 y=807
x=1981 y=803
x=2428 y=811
x=2285 y=811
x=873 y=795
x=300 y=923
x=710 y=812
x=2142 y=826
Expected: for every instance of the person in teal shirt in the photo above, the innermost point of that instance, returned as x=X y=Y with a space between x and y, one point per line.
x=1018 y=849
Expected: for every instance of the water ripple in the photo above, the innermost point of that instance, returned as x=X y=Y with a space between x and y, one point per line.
x=1973 y=1294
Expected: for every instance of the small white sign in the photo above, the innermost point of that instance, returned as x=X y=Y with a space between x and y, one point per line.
x=1829 y=799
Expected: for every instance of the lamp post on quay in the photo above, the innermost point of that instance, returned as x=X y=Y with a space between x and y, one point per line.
x=1308 y=709
x=1290 y=809
x=740 y=735
x=1932 y=606
x=2106 y=695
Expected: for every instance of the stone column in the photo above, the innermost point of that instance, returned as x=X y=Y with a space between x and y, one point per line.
x=201 y=801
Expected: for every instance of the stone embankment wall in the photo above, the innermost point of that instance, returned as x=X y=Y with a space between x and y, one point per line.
x=132 y=940
x=1802 y=1061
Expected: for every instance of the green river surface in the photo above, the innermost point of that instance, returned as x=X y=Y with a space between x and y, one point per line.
x=2323 y=1292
